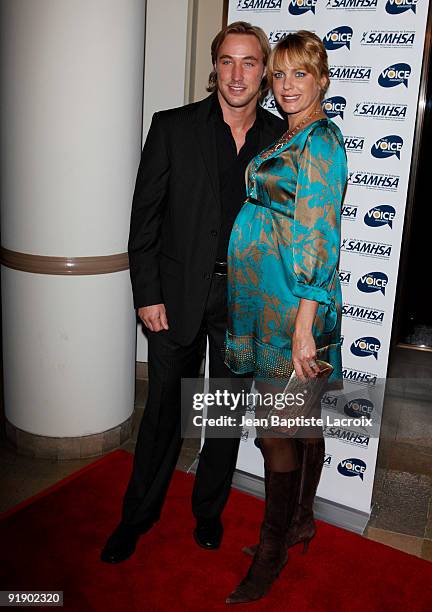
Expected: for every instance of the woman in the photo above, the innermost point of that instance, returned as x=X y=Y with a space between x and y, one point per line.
x=283 y=292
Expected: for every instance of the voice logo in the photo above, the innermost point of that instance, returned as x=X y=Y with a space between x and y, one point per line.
x=359 y=407
x=300 y=7
x=352 y=467
x=396 y=7
x=259 y=5
x=334 y=106
x=394 y=75
x=373 y=282
x=378 y=216
x=366 y=346
x=387 y=146
x=381 y=110
x=338 y=38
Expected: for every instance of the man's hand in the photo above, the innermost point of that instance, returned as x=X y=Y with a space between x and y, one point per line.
x=154 y=317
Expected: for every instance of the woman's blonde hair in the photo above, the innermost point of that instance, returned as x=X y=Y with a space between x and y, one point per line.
x=302 y=49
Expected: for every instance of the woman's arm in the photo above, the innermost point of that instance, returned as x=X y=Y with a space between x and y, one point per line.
x=316 y=237
x=303 y=343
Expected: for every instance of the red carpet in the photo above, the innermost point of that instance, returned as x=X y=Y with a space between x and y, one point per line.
x=53 y=542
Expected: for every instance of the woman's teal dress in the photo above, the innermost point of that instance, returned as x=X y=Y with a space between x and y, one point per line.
x=285 y=246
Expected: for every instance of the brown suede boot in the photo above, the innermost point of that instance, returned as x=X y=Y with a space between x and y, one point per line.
x=271 y=553
x=302 y=527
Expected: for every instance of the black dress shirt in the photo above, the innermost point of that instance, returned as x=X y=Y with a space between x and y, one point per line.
x=231 y=170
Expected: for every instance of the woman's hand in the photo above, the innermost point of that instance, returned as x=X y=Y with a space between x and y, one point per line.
x=304 y=354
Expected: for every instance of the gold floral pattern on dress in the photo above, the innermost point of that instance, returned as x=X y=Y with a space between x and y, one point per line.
x=284 y=246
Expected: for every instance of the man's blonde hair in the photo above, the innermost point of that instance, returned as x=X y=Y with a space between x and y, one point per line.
x=239 y=27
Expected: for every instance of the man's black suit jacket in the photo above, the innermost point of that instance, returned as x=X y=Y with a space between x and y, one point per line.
x=176 y=213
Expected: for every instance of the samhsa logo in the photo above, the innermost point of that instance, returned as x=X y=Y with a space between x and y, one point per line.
x=344 y=277
x=387 y=146
x=381 y=110
x=300 y=7
x=352 y=467
x=329 y=401
x=352 y=5
x=276 y=35
x=269 y=103
x=259 y=5
x=334 y=107
x=338 y=38
x=366 y=248
x=359 y=407
x=394 y=75
x=366 y=346
x=350 y=74
x=370 y=180
x=349 y=212
x=396 y=7
x=361 y=313
x=373 y=282
x=359 y=377
x=347 y=436
x=354 y=144
x=378 y=216
x=327 y=460
x=388 y=38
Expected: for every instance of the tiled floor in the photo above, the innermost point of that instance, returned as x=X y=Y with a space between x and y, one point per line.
x=402 y=498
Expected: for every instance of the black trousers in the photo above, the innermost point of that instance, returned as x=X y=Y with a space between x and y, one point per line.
x=159 y=438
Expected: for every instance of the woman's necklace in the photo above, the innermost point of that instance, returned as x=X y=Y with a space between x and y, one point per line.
x=252 y=169
x=290 y=133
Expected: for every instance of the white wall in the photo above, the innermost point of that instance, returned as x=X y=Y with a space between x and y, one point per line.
x=166 y=74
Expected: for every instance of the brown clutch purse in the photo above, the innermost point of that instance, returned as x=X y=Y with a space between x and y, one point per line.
x=311 y=393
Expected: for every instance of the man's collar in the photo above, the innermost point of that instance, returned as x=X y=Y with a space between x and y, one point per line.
x=216 y=110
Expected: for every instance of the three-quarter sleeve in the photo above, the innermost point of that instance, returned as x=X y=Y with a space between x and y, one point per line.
x=321 y=182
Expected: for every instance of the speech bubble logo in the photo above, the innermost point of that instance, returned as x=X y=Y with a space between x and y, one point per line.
x=397 y=7
x=358 y=407
x=334 y=106
x=365 y=347
x=378 y=216
x=387 y=146
x=394 y=75
x=352 y=467
x=300 y=7
x=373 y=282
x=338 y=38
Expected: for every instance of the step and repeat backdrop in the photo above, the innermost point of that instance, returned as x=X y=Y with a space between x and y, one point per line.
x=375 y=50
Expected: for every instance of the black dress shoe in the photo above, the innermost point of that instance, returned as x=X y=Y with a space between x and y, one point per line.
x=122 y=542
x=208 y=533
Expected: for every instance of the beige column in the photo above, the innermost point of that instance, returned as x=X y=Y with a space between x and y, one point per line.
x=71 y=116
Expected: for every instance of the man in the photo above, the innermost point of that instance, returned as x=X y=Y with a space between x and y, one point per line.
x=189 y=189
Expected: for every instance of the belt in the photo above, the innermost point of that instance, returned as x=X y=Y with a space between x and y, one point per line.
x=220 y=268
x=254 y=201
